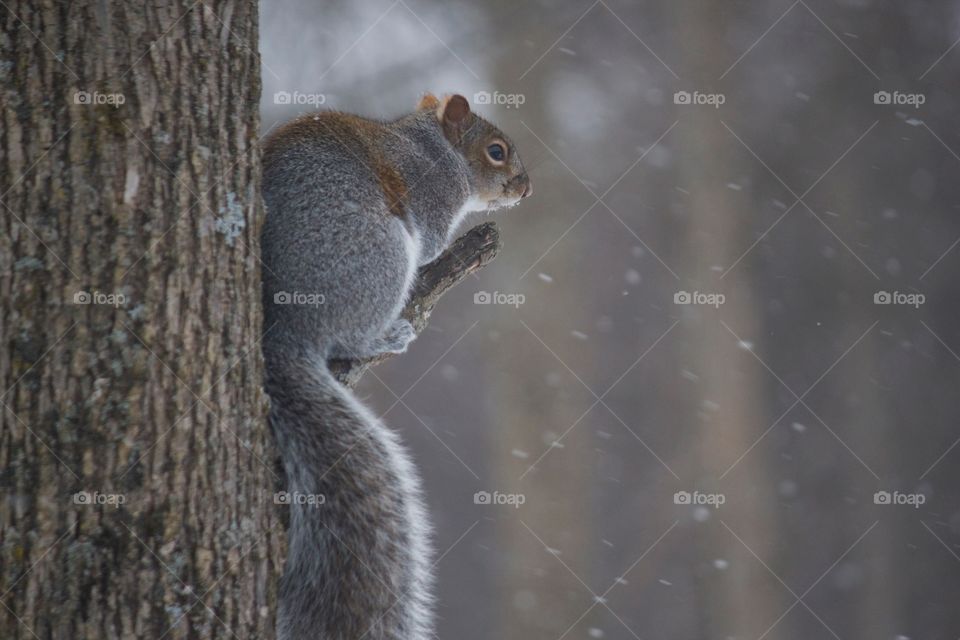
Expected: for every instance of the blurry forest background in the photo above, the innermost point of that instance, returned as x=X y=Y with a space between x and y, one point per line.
x=795 y=401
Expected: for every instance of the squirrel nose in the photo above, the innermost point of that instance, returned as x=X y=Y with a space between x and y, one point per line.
x=527 y=187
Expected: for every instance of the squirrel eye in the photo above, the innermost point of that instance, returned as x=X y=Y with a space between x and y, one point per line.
x=496 y=152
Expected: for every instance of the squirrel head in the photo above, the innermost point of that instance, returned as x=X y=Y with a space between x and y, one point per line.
x=497 y=176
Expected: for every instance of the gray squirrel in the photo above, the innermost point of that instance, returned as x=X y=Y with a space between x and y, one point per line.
x=354 y=207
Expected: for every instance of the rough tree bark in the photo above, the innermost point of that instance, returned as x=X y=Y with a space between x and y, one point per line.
x=129 y=366
x=138 y=472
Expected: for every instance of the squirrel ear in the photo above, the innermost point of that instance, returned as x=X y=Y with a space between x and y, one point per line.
x=452 y=114
x=454 y=109
x=428 y=102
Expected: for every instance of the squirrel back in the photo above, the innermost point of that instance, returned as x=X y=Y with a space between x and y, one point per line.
x=354 y=207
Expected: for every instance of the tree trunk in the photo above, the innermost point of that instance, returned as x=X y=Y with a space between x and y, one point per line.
x=138 y=470
x=738 y=603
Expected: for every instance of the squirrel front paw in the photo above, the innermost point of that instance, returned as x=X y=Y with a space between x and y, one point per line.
x=396 y=338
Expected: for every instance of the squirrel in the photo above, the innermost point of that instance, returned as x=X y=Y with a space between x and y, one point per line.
x=354 y=207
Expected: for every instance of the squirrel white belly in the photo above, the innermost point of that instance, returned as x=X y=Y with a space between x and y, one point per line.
x=354 y=207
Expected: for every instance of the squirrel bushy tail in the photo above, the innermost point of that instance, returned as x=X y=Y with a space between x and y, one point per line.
x=357 y=565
